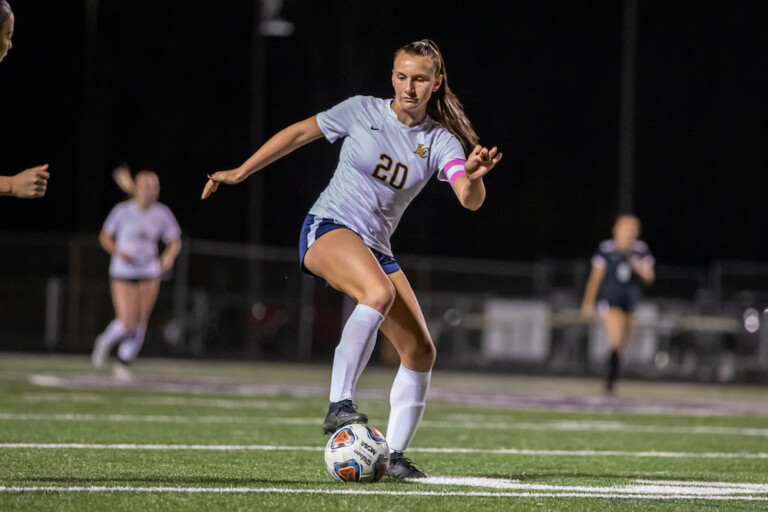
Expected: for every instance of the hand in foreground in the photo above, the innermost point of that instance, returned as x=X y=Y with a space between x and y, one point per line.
x=227 y=177
x=30 y=183
x=480 y=161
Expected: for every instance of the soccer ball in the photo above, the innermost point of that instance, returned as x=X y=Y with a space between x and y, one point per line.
x=357 y=453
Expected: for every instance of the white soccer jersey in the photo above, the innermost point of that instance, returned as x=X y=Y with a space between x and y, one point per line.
x=383 y=165
x=137 y=233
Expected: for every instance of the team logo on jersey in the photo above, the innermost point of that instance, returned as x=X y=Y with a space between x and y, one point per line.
x=422 y=151
x=623 y=272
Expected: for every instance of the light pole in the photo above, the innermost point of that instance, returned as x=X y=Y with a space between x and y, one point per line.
x=627 y=109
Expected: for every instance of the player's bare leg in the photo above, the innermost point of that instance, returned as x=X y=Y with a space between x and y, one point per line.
x=341 y=258
x=406 y=328
x=125 y=300
x=616 y=329
x=146 y=297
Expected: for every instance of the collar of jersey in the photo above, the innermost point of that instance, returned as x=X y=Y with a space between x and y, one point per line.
x=404 y=126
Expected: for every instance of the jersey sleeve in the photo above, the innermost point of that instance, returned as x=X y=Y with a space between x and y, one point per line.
x=599 y=258
x=450 y=158
x=642 y=251
x=337 y=121
x=171 y=228
x=112 y=223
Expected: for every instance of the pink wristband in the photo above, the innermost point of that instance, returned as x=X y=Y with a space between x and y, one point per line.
x=454 y=169
x=457 y=174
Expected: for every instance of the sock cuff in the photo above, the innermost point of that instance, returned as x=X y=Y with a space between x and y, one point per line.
x=369 y=313
x=414 y=376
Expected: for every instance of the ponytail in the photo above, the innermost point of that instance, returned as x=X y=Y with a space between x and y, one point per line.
x=444 y=107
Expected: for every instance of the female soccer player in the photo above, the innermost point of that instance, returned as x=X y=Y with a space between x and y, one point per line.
x=131 y=234
x=391 y=148
x=622 y=265
x=6 y=28
x=30 y=183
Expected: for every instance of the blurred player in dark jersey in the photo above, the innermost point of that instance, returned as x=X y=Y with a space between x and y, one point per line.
x=622 y=265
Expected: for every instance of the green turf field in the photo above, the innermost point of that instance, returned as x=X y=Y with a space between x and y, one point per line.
x=234 y=436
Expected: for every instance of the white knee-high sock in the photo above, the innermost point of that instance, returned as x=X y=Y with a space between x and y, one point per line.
x=407 y=401
x=130 y=347
x=353 y=351
x=114 y=333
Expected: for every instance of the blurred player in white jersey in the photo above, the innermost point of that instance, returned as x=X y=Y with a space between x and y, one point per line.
x=620 y=267
x=33 y=182
x=130 y=235
x=392 y=147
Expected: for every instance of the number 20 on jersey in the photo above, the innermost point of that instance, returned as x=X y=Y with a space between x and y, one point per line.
x=384 y=172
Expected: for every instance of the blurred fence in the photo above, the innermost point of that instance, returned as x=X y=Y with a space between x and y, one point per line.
x=245 y=301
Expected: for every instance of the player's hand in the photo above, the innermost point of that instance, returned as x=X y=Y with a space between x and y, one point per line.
x=31 y=183
x=587 y=311
x=230 y=177
x=166 y=262
x=480 y=161
x=641 y=268
x=125 y=257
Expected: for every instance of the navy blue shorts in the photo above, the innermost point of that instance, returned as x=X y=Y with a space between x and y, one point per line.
x=624 y=297
x=315 y=227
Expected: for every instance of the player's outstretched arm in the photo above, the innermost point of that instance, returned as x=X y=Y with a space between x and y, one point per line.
x=470 y=188
x=28 y=184
x=282 y=143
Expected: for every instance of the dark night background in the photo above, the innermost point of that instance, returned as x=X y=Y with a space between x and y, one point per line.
x=171 y=85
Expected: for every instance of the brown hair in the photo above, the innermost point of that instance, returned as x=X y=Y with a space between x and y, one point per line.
x=444 y=107
x=5 y=11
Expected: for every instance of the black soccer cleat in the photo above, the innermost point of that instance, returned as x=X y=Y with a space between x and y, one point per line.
x=401 y=467
x=340 y=414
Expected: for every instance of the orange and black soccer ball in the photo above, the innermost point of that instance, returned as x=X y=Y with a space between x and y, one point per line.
x=357 y=453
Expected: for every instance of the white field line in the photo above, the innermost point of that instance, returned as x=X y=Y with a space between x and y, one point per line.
x=599 y=426
x=220 y=403
x=162 y=447
x=156 y=418
x=36 y=398
x=756 y=487
x=681 y=488
x=160 y=401
x=583 y=426
x=658 y=493
x=609 y=409
x=500 y=451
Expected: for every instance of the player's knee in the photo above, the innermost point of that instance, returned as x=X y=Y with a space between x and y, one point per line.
x=380 y=296
x=422 y=355
x=429 y=354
